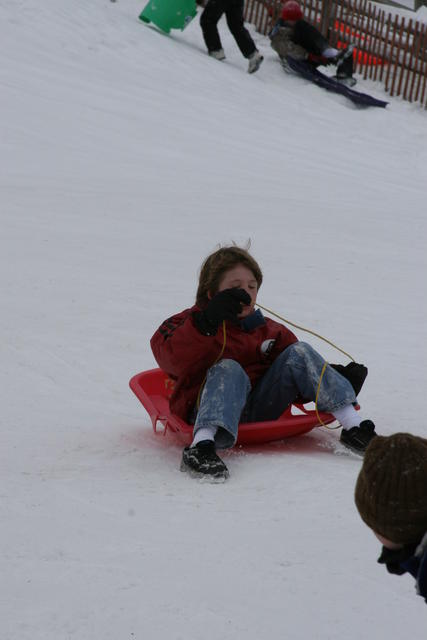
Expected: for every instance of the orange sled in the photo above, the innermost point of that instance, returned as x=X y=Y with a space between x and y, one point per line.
x=154 y=388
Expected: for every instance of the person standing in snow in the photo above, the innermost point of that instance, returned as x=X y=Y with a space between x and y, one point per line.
x=232 y=364
x=233 y=10
x=294 y=37
x=391 y=497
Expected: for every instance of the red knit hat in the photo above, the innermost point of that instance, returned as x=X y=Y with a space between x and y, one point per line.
x=291 y=11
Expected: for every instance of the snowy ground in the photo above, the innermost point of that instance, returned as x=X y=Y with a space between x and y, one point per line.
x=126 y=157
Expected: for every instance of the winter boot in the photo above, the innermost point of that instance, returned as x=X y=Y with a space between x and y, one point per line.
x=255 y=61
x=346 y=81
x=358 y=438
x=344 y=54
x=218 y=55
x=344 y=73
x=201 y=461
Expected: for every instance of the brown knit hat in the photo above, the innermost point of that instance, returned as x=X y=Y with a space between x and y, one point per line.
x=391 y=490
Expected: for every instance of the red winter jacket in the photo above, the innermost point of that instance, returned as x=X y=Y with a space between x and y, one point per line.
x=186 y=355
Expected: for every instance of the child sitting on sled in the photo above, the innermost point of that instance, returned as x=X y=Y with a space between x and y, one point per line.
x=391 y=497
x=232 y=364
x=294 y=37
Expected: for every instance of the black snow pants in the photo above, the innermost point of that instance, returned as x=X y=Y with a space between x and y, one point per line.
x=314 y=42
x=233 y=10
x=309 y=38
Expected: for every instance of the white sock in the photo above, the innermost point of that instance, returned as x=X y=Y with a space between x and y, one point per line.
x=204 y=433
x=330 y=52
x=347 y=416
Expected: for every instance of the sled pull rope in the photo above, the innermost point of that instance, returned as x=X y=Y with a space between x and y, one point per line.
x=325 y=363
x=313 y=333
x=224 y=341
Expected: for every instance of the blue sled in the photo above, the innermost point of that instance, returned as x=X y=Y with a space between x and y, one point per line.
x=306 y=70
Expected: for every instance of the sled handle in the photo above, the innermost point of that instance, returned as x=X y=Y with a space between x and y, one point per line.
x=163 y=420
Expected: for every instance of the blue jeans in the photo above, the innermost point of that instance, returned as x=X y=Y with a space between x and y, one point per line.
x=228 y=398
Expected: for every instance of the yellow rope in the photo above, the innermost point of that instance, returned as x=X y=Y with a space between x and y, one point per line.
x=307 y=330
x=317 y=396
x=224 y=341
x=325 y=364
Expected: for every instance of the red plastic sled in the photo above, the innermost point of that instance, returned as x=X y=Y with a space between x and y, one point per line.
x=154 y=388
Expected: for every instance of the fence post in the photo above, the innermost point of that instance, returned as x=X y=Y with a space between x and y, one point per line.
x=398 y=52
x=325 y=18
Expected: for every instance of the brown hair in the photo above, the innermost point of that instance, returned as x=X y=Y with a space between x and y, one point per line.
x=216 y=264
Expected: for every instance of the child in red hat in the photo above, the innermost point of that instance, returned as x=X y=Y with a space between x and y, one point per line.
x=294 y=37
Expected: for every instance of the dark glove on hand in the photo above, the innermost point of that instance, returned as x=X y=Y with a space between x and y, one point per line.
x=226 y=305
x=392 y=558
x=355 y=374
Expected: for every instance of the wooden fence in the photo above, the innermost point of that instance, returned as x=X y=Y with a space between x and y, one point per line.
x=389 y=49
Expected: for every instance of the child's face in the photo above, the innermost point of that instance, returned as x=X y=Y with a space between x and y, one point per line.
x=240 y=277
x=388 y=544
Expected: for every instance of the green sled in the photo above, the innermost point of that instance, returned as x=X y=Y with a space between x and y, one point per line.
x=169 y=14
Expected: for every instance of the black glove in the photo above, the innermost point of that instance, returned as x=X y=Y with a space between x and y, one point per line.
x=355 y=374
x=226 y=305
x=392 y=558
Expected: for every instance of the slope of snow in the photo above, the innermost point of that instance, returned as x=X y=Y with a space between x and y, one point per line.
x=127 y=155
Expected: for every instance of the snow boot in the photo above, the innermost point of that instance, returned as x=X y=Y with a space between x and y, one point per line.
x=255 y=61
x=347 y=81
x=344 y=54
x=218 y=55
x=201 y=461
x=344 y=73
x=358 y=438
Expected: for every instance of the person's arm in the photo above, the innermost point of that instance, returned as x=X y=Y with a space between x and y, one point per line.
x=187 y=342
x=178 y=345
x=225 y=305
x=421 y=552
x=284 y=338
x=276 y=28
x=283 y=43
x=309 y=38
x=422 y=578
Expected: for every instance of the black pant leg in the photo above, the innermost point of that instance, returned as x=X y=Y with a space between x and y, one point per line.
x=310 y=38
x=209 y=20
x=234 y=16
x=346 y=68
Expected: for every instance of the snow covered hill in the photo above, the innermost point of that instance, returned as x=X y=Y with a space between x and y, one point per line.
x=126 y=156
